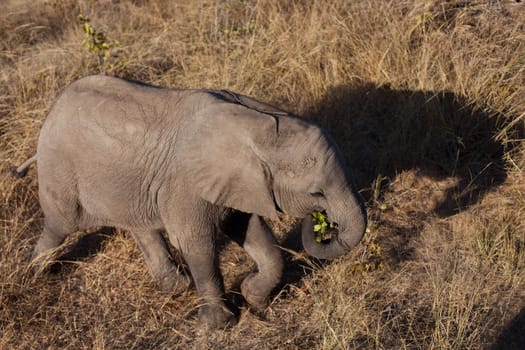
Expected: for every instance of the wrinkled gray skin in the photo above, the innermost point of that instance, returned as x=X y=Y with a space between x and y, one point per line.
x=192 y=163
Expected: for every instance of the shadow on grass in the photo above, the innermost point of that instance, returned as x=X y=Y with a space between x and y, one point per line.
x=440 y=135
x=384 y=131
x=513 y=335
x=86 y=247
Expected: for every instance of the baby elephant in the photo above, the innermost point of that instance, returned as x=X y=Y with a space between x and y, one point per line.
x=192 y=163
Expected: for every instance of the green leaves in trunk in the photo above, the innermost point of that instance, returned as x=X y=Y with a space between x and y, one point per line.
x=323 y=228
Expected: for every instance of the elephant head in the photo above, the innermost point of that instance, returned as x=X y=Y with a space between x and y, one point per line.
x=264 y=162
x=311 y=175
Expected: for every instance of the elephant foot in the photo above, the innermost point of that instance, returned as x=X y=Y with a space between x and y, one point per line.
x=251 y=291
x=174 y=283
x=215 y=316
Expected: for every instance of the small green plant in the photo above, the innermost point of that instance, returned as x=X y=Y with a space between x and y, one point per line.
x=372 y=258
x=323 y=228
x=98 y=43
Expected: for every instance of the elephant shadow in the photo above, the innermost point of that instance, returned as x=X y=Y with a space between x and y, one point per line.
x=438 y=135
x=512 y=336
x=383 y=132
x=87 y=246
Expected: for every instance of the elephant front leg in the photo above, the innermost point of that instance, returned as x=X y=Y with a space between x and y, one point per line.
x=158 y=260
x=254 y=235
x=199 y=252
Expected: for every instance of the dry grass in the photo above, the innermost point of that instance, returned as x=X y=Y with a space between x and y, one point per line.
x=427 y=101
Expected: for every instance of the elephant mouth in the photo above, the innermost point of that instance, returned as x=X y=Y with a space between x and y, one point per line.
x=326 y=239
x=323 y=229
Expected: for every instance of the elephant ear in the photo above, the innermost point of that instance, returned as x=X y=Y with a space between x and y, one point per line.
x=227 y=166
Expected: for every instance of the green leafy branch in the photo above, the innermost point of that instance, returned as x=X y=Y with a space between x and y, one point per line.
x=97 y=42
x=323 y=228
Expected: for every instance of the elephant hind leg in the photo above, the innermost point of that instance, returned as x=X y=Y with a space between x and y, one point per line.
x=61 y=212
x=254 y=235
x=158 y=260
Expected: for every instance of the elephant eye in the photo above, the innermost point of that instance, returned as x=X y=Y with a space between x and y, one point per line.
x=317 y=194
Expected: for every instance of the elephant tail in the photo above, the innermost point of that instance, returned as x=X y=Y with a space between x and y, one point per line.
x=21 y=170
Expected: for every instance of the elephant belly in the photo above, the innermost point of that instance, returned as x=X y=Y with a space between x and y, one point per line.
x=120 y=202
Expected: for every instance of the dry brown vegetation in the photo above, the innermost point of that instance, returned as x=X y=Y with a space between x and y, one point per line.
x=427 y=101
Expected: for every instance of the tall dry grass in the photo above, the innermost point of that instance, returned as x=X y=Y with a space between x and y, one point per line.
x=426 y=100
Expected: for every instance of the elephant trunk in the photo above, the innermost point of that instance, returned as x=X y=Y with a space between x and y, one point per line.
x=351 y=226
